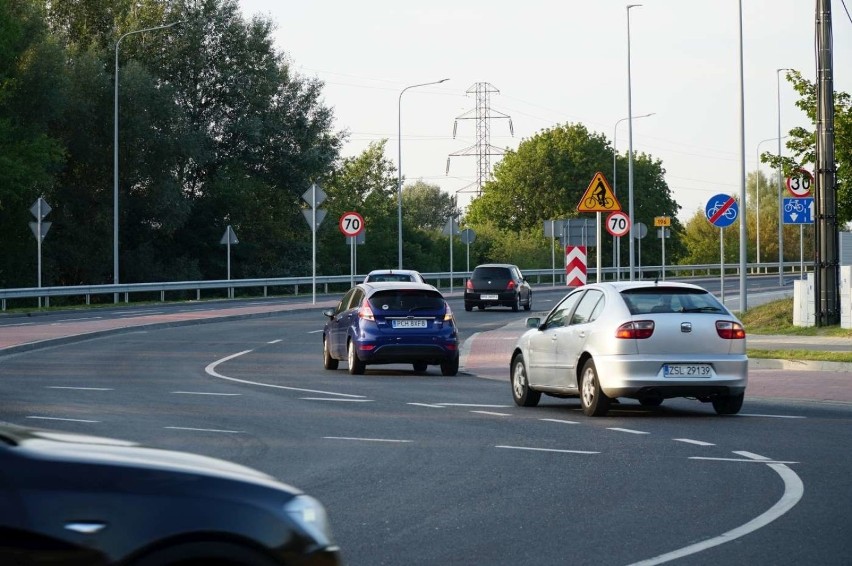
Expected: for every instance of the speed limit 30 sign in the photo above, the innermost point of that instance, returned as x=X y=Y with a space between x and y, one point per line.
x=799 y=184
x=351 y=224
x=618 y=224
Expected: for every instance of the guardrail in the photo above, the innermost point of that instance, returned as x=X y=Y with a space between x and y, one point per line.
x=224 y=288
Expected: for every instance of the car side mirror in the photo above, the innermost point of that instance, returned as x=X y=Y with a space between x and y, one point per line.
x=533 y=322
x=329 y=313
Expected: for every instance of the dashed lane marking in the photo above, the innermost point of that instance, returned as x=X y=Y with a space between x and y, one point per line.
x=532 y=449
x=392 y=440
x=79 y=388
x=771 y=416
x=492 y=413
x=336 y=399
x=695 y=442
x=427 y=405
x=62 y=419
x=203 y=429
x=206 y=393
x=559 y=421
x=628 y=430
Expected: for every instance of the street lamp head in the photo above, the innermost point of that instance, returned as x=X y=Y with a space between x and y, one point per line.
x=633 y=6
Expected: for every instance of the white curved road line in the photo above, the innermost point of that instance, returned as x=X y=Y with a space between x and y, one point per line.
x=211 y=371
x=793 y=491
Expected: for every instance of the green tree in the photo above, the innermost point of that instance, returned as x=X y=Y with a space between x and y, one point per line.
x=426 y=206
x=802 y=142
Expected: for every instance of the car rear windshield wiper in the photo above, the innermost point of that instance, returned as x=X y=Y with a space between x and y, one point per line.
x=421 y=308
x=703 y=309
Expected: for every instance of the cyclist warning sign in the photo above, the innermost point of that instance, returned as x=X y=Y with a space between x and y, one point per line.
x=599 y=197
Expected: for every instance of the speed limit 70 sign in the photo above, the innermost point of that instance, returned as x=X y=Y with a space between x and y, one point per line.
x=351 y=224
x=618 y=224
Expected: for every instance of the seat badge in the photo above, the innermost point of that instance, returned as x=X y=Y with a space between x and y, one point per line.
x=686 y=327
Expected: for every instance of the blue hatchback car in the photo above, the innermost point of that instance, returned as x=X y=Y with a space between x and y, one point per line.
x=391 y=323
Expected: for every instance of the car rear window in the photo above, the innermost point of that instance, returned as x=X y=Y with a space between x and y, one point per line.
x=385 y=277
x=407 y=300
x=491 y=273
x=648 y=300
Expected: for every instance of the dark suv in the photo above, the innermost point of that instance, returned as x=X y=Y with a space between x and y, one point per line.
x=495 y=285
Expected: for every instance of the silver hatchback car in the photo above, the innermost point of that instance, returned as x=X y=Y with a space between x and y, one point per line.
x=644 y=340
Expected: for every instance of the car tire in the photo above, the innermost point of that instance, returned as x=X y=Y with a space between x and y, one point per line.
x=327 y=361
x=528 y=304
x=468 y=307
x=521 y=392
x=420 y=367
x=728 y=404
x=450 y=368
x=593 y=400
x=356 y=366
x=516 y=306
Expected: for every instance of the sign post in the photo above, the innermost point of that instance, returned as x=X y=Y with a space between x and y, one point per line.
x=468 y=236
x=314 y=196
x=351 y=224
x=663 y=223
x=618 y=225
x=228 y=238
x=722 y=210
x=638 y=232
x=599 y=197
x=40 y=209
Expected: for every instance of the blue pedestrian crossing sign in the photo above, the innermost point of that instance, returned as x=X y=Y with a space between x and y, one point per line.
x=722 y=210
x=798 y=210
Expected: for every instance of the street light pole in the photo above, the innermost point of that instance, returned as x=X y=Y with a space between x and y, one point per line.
x=616 y=252
x=757 y=195
x=630 y=147
x=115 y=156
x=780 y=186
x=743 y=241
x=399 y=163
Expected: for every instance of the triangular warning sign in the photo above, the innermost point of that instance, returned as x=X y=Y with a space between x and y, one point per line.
x=599 y=197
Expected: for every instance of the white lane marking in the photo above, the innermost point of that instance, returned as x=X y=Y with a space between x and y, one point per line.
x=211 y=370
x=202 y=429
x=141 y=312
x=275 y=341
x=336 y=399
x=746 y=460
x=772 y=416
x=19 y=324
x=60 y=419
x=628 y=430
x=696 y=442
x=315 y=331
x=492 y=413
x=547 y=450
x=80 y=388
x=206 y=393
x=427 y=405
x=559 y=421
x=474 y=405
x=793 y=491
x=365 y=439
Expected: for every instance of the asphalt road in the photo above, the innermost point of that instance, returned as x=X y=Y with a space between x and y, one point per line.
x=425 y=469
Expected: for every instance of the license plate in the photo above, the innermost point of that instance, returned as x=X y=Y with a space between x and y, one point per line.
x=488 y=297
x=405 y=323
x=687 y=370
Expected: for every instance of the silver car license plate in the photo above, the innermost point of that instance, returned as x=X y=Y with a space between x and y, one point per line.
x=406 y=323
x=687 y=370
x=488 y=297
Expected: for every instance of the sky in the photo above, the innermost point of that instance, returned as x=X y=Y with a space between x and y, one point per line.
x=557 y=62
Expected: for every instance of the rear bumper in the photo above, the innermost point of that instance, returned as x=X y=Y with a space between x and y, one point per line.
x=629 y=376
x=504 y=298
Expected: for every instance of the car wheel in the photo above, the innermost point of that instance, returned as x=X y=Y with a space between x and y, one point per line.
x=528 y=306
x=420 y=366
x=521 y=392
x=327 y=361
x=468 y=307
x=451 y=367
x=516 y=306
x=595 y=403
x=356 y=366
x=728 y=404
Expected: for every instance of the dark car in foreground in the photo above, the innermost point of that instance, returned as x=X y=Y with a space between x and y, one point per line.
x=643 y=340
x=68 y=499
x=388 y=323
x=497 y=285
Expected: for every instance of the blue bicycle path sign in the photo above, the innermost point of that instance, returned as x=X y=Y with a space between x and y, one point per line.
x=722 y=210
x=799 y=210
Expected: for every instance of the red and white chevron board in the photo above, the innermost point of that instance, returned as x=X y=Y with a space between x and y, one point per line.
x=575 y=266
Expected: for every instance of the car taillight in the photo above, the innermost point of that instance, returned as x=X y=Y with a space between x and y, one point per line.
x=637 y=329
x=448 y=314
x=469 y=284
x=730 y=330
x=365 y=311
x=511 y=285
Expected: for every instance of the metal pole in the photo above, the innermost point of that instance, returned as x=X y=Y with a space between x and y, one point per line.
x=314 y=244
x=630 y=143
x=38 y=239
x=553 y=253
x=757 y=194
x=115 y=158
x=722 y=263
x=743 y=242
x=399 y=165
x=780 y=186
